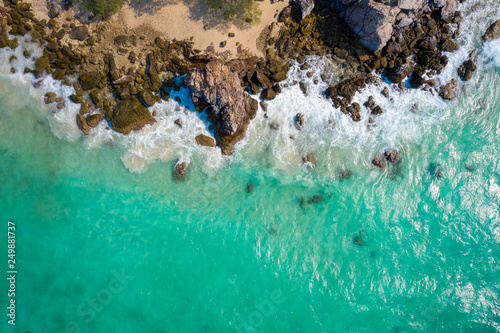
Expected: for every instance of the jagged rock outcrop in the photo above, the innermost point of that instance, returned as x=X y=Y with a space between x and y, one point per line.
x=230 y=108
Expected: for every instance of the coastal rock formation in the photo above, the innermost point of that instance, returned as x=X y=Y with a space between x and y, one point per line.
x=130 y=115
x=306 y=7
x=493 y=31
x=372 y=22
x=231 y=109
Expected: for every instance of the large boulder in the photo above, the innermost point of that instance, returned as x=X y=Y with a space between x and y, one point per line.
x=130 y=115
x=448 y=8
x=372 y=22
x=231 y=109
x=306 y=7
x=493 y=32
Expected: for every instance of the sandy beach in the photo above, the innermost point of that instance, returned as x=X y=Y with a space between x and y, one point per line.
x=186 y=19
x=183 y=19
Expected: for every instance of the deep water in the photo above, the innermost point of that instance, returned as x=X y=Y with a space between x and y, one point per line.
x=108 y=241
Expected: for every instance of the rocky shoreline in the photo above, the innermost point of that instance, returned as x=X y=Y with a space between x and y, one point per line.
x=117 y=76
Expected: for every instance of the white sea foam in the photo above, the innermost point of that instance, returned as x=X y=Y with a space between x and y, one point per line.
x=333 y=136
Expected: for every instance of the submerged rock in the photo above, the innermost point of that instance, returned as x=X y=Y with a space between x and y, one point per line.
x=130 y=115
x=345 y=174
x=310 y=158
x=316 y=199
x=231 y=107
x=180 y=170
x=250 y=187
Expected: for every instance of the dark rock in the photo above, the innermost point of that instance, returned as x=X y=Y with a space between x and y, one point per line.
x=436 y=170
x=377 y=110
x=378 y=161
x=385 y=92
x=147 y=97
x=81 y=122
x=316 y=199
x=268 y=94
x=398 y=74
x=80 y=33
x=61 y=105
x=348 y=88
x=178 y=123
x=493 y=31
x=130 y=115
x=89 y=80
x=306 y=7
x=449 y=46
x=94 y=119
x=49 y=97
x=204 y=140
x=250 y=187
x=274 y=126
x=357 y=240
x=75 y=98
x=466 y=70
x=448 y=91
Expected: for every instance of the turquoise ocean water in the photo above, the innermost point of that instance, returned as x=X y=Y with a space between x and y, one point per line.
x=108 y=241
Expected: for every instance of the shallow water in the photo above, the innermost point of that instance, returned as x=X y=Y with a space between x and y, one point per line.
x=108 y=241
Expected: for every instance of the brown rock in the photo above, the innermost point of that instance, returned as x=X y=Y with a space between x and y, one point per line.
x=81 y=122
x=180 y=170
x=94 y=119
x=204 y=140
x=80 y=33
x=130 y=115
x=493 y=31
x=49 y=97
x=378 y=161
x=392 y=156
x=231 y=107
